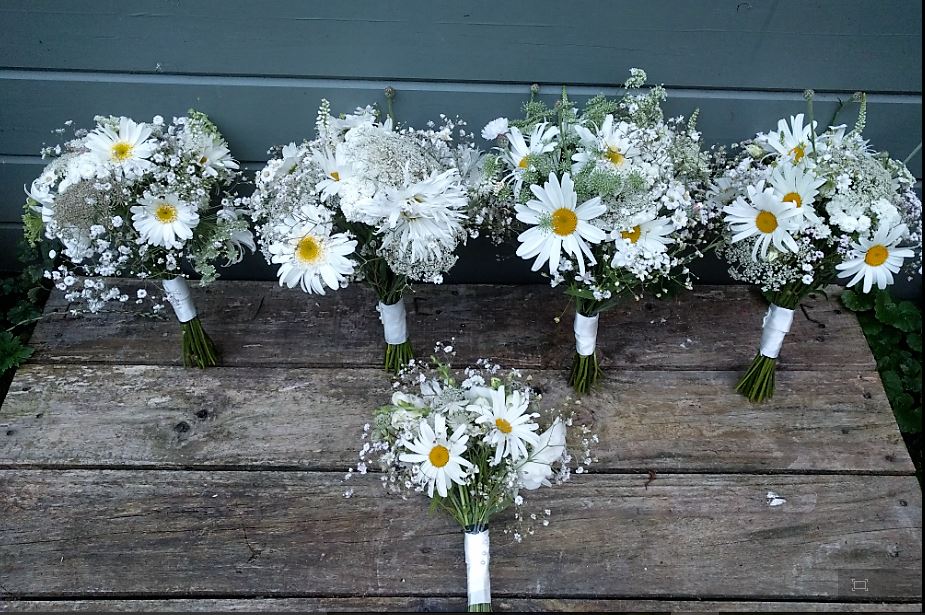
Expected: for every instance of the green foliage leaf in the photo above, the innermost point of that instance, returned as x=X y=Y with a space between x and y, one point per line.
x=12 y=351
x=857 y=302
x=914 y=340
x=903 y=315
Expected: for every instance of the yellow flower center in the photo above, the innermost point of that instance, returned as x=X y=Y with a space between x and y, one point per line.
x=121 y=150
x=335 y=176
x=564 y=222
x=614 y=155
x=876 y=255
x=503 y=426
x=523 y=164
x=165 y=213
x=793 y=197
x=632 y=235
x=308 y=250
x=766 y=222
x=798 y=152
x=439 y=456
x=203 y=160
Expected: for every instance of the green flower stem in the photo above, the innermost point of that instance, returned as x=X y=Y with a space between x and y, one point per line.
x=758 y=382
x=585 y=372
x=397 y=356
x=198 y=349
x=480 y=608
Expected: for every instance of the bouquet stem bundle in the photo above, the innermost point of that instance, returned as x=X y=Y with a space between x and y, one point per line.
x=198 y=349
x=478 y=583
x=390 y=289
x=585 y=372
x=758 y=382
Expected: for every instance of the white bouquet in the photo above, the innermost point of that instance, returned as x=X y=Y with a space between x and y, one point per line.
x=137 y=200
x=364 y=201
x=475 y=448
x=607 y=198
x=803 y=209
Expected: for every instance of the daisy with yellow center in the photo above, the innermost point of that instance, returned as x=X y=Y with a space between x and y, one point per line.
x=874 y=260
x=792 y=141
x=652 y=236
x=164 y=220
x=127 y=146
x=215 y=157
x=543 y=139
x=765 y=219
x=312 y=258
x=508 y=420
x=611 y=146
x=336 y=169
x=798 y=186
x=440 y=457
x=558 y=225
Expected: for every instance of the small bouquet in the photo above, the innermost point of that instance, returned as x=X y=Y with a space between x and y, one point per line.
x=137 y=200
x=607 y=198
x=474 y=448
x=364 y=201
x=803 y=209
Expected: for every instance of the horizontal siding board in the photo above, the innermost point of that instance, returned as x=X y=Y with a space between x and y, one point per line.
x=10 y=234
x=789 y=44
x=256 y=113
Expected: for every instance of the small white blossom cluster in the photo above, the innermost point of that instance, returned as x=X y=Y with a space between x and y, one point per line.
x=137 y=200
x=474 y=445
x=609 y=195
x=803 y=209
x=363 y=196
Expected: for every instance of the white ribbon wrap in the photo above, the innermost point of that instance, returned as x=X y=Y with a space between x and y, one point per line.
x=393 y=322
x=178 y=294
x=585 y=334
x=478 y=584
x=774 y=328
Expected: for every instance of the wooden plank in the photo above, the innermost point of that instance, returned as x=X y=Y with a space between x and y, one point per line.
x=71 y=415
x=789 y=44
x=35 y=103
x=440 y=604
x=259 y=323
x=79 y=533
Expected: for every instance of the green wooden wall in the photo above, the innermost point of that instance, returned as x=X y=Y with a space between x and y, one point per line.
x=259 y=68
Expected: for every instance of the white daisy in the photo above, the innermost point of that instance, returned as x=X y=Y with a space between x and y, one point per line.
x=214 y=157
x=558 y=224
x=495 y=129
x=313 y=258
x=426 y=215
x=876 y=259
x=336 y=169
x=439 y=456
x=510 y=425
x=537 y=469
x=129 y=148
x=799 y=186
x=791 y=141
x=165 y=220
x=651 y=235
x=541 y=140
x=766 y=216
x=611 y=144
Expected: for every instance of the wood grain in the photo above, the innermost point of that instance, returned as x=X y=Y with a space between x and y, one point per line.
x=259 y=323
x=441 y=604
x=263 y=533
x=311 y=419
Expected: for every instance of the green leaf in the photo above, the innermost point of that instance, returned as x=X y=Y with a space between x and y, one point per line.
x=914 y=341
x=857 y=302
x=12 y=351
x=908 y=415
x=892 y=384
x=904 y=315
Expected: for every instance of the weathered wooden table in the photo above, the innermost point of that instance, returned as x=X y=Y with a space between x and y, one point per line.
x=129 y=482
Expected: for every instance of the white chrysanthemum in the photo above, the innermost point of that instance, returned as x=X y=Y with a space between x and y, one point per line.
x=165 y=220
x=611 y=144
x=495 y=129
x=510 y=424
x=541 y=140
x=792 y=141
x=336 y=170
x=425 y=216
x=875 y=260
x=765 y=216
x=215 y=157
x=550 y=446
x=129 y=148
x=439 y=456
x=559 y=224
x=799 y=186
x=651 y=236
x=311 y=257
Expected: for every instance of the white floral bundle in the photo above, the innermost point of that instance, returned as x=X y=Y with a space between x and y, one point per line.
x=138 y=200
x=474 y=447
x=607 y=199
x=803 y=209
x=364 y=201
